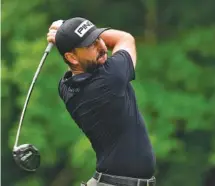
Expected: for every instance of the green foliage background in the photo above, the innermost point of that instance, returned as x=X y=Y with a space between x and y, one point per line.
x=175 y=88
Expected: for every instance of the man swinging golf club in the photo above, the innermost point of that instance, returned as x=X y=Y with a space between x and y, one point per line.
x=98 y=95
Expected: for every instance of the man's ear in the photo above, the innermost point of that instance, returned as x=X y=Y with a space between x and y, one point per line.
x=71 y=58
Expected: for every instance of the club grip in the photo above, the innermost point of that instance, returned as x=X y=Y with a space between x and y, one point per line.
x=49 y=47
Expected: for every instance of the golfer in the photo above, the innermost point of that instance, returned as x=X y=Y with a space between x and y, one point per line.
x=98 y=95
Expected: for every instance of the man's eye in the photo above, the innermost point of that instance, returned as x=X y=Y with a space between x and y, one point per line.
x=94 y=43
x=97 y=40
x=90 y=45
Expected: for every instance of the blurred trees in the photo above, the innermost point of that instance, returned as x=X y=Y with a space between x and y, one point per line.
x=175 y=88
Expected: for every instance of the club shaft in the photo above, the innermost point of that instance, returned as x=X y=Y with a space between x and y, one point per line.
x=47 y=50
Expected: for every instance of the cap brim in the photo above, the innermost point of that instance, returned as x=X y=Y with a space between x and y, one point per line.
x=92 y=37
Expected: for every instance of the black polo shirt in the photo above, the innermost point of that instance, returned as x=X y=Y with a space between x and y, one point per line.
x=103 y=105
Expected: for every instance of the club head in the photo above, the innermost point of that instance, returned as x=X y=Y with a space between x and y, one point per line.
x=27 y=157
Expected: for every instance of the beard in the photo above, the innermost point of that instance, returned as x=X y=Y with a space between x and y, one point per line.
x=91 y=65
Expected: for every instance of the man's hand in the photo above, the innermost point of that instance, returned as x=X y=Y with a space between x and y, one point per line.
x=53 y=30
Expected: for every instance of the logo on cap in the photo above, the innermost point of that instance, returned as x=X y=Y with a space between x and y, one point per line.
x=82 y=29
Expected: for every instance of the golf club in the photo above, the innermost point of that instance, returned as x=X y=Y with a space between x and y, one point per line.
x=27 y=156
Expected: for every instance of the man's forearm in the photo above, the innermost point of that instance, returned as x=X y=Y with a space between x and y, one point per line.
x=113 y=37
x=119 y=40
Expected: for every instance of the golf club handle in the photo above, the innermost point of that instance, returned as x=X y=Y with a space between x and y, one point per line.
x=48 y=49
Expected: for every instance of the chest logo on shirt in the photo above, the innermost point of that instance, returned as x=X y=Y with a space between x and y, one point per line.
x=74 y=90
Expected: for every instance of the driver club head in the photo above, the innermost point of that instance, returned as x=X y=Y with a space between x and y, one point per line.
x=27 y=157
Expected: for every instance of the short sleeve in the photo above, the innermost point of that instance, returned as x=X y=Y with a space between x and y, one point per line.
x=119 y=70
